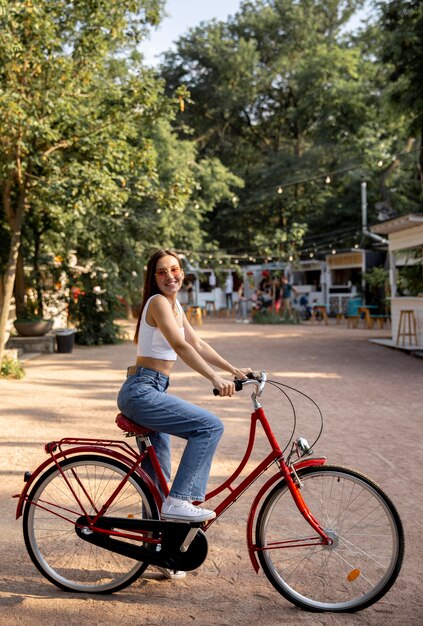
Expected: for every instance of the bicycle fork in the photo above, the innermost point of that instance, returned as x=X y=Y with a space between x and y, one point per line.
x=294 y=486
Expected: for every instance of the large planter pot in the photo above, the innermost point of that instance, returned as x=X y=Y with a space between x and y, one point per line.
x=33 y=328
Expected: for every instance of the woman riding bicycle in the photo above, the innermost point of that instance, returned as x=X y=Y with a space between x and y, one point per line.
x=162 y=334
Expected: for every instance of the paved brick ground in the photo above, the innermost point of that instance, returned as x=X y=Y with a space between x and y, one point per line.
x=371 y=398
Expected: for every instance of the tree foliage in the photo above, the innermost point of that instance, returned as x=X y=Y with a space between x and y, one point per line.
x=293 y=104
x=89 y=162
x=401 y=22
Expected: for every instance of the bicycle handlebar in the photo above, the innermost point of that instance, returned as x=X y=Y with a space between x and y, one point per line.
x=252 y=378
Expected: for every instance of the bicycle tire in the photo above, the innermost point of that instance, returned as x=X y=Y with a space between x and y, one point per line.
x=365 y=558
x=67 y=561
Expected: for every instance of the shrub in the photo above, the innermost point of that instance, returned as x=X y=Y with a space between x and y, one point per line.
x=269 y=317
x=93 y=308
x=10 y=368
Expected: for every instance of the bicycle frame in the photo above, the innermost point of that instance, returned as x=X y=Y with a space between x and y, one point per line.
x=133 y=460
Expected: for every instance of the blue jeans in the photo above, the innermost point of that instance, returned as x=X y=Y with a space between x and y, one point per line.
x=143 y=399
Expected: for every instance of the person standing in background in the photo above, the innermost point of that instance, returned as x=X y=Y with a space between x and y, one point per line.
x=242 y=315
x=229 y=287
x=287 y=291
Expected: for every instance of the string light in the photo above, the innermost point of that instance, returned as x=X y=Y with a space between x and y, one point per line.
x=345 y=170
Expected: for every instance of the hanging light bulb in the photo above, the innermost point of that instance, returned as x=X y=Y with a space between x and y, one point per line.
x=311 y=255
x=327 y=180
x=334 y=251
x=291 y=258
x=280 y=190
x=380 y=163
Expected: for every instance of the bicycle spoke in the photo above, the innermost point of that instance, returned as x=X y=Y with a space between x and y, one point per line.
x=56 y=549
x=366 y=549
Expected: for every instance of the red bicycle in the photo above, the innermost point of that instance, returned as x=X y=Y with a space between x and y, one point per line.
x=327 y=537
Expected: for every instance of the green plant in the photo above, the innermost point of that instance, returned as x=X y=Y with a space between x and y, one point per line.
x=11 y=368
x=31 y=311
x=410 y=280
x=377 y=280
x=269 y=317
x=93 y=307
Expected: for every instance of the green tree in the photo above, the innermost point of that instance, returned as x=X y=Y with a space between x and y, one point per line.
x=282 y=98
x=401 y=23
x=56 y=96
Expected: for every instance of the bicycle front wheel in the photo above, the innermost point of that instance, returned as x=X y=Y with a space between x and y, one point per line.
x=368 y=541
x=52 y=510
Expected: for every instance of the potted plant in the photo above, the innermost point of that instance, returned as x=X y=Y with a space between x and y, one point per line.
x=30 y=323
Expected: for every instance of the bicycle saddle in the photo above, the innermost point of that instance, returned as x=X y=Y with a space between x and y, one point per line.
x=130 y=427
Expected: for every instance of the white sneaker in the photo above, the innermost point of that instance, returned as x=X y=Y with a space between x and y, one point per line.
x=184 y=511
x=171 y=574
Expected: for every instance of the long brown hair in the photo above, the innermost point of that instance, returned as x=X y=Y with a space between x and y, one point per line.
x=150 y=284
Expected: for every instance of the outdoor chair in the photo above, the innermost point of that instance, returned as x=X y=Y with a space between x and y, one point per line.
x=352 y=314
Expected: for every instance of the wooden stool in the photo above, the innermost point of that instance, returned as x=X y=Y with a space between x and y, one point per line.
x=322 y=310
x=407 y=327
x=194 y=315
x=340 y=317
x=210 y=307
x=367 y=321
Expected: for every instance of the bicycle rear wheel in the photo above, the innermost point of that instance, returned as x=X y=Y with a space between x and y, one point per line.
x=52 y=510
x=368 y=541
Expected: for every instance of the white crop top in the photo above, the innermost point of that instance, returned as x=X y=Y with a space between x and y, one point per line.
x=151 y=341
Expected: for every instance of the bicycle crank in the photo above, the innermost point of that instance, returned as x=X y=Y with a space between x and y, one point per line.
x=181 y=545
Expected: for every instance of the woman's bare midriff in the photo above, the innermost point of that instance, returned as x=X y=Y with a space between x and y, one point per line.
x=165 y=367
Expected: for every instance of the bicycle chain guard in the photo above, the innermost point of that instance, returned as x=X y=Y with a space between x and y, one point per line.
x=174 y=553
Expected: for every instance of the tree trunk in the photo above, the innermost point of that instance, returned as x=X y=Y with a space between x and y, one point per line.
x=15 y=220
x=19 y=288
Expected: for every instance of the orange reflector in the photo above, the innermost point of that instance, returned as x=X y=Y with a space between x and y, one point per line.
x=353 y=575
x=131 y=516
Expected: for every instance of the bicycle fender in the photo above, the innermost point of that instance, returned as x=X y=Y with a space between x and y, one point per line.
x=265 y=488
x=22 y=497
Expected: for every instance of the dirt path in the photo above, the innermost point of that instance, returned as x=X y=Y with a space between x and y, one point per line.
x=371 y=398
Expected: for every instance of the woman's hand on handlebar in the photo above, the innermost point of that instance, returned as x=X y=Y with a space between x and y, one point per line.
x=223 y=387
x=241 y=372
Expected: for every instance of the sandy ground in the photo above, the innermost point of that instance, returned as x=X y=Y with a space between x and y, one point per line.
x=371 y=398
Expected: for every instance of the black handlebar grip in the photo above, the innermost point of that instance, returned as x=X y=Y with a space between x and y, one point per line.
x=238 y=387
